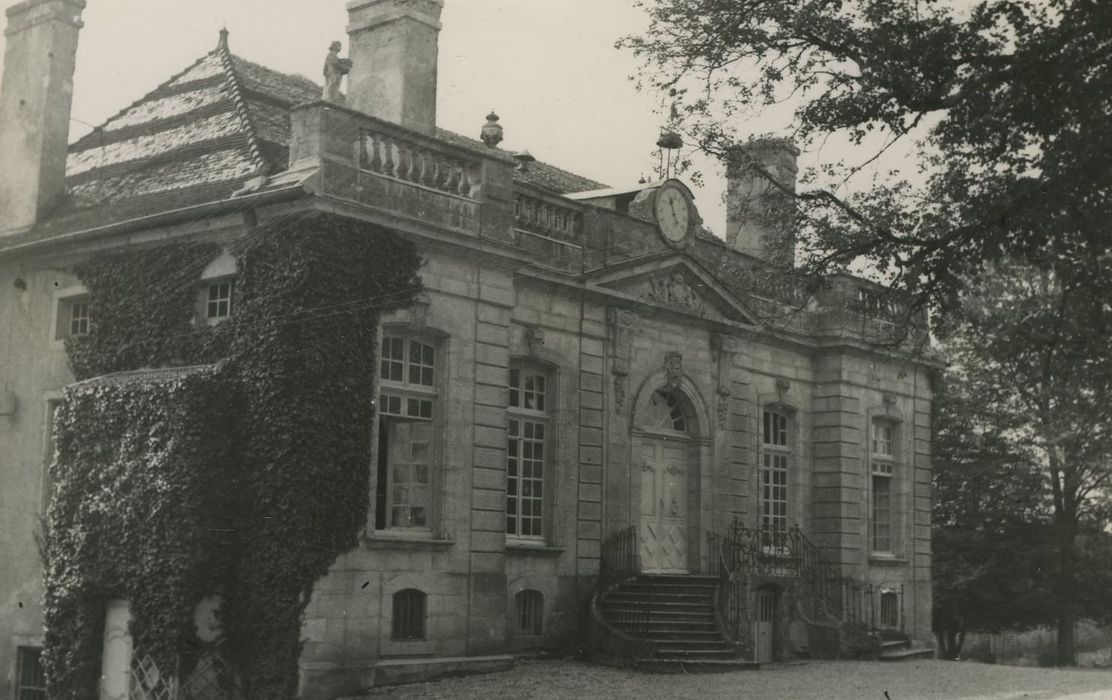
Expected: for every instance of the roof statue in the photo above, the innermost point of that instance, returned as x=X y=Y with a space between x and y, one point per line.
x=335 y=68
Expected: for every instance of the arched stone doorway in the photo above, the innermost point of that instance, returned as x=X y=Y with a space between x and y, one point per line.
x=665 y=479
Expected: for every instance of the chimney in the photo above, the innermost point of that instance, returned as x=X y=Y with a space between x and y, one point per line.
x=36 y=94
x=393 y=50
x=760 y=212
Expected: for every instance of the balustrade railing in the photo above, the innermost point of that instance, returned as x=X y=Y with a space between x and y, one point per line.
x=540 y=216
x=404 y=158
x=742 y=550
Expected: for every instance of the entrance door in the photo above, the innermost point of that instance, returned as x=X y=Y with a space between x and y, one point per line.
x=664 y=506
x=762 y=634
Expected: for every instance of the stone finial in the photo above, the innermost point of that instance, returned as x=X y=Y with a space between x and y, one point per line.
x=335 y=68
x=492 y=131
x=222 y=42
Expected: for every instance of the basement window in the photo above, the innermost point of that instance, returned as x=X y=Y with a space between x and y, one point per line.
x=30 y=676
x=409 y=615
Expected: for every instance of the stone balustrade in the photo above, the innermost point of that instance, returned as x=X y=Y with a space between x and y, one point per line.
x=545 y=217
x=395 y=156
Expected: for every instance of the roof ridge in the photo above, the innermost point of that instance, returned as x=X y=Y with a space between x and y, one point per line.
x=146 y=96
x=225 y=56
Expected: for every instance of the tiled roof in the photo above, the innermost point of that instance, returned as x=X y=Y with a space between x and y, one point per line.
x=197 y=138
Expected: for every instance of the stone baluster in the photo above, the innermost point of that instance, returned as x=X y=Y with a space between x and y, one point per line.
x=389 y=164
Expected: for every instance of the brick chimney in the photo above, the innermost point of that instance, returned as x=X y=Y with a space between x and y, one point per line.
x=394 y=49
x=760 y=212
x=36 y=94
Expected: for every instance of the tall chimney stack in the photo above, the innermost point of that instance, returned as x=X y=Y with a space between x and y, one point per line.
x=36 y=95
x=394 y=49
x=760 y=212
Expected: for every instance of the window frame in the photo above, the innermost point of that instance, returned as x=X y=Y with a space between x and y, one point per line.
x=61 y=326
x=529 y=603
x=415 y=403
x=19 y=687
x=883 y=469
x=516 y=443
x=207 y=300
x=770 y=453
x=409 y=598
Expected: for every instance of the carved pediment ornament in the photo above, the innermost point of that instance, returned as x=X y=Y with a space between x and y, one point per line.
x=673 y=289
x=673 y=368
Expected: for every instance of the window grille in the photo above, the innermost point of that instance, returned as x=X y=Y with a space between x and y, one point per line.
x=30 y=676
x=409 y=615
x=889 y=610
x=530 y=613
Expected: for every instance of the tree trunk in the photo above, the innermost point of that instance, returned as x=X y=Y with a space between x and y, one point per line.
x=1065 y=579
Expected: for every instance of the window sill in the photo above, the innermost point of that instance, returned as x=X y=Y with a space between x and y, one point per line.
x=538 y=549
x=381 y=541
x=887 y=559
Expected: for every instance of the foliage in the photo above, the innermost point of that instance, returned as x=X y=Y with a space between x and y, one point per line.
x=139 y=511
x=304 y=348
x=1036 y=385
x=1003 y=104
x=246 y=478
x=990 y=545
x=132 y=329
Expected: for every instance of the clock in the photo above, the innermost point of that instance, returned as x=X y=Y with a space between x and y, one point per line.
x=674 y=211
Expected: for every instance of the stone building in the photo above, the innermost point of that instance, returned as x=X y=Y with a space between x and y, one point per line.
x=590 y=388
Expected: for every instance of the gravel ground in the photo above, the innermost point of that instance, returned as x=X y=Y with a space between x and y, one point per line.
x=814 y=680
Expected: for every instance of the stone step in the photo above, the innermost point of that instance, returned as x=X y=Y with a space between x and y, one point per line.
x=725 y=652
x=695 y=665
x=907 y=654
x=886 y=644
x=691 y=645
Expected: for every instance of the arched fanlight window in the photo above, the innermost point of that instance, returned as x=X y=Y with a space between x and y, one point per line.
x=665 y=413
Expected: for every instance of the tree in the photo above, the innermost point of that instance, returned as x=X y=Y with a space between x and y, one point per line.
x=990 y=527
x=1022 y=346
x=1010 y=100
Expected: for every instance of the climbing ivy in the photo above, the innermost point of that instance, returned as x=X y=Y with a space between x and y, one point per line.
x=245 y=477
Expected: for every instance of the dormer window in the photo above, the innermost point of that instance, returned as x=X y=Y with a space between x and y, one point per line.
x=216 y=296
x=73 y=315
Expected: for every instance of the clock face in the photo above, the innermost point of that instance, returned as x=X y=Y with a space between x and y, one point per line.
x=673 y=213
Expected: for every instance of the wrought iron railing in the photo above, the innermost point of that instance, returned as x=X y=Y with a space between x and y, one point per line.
x=620 y=559
x=789 y=554
x=620 y=562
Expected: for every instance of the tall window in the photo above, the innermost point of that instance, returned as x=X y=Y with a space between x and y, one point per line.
x=407 y=410
x=882 y=460
x=530 y=613
x=775 y=459
x=409 y=615
x=30 y=677
x=527 y=448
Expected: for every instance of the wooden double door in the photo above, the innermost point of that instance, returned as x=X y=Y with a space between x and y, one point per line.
x=664 y=506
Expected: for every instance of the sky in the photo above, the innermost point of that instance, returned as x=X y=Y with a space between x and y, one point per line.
x=549 y=68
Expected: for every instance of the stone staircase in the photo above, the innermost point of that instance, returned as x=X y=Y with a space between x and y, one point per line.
x=676 y=615
x=897 y=646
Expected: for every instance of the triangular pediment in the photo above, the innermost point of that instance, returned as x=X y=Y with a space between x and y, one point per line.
x=675 y=283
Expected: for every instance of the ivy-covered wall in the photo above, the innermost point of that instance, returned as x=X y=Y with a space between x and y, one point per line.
x=264 y=452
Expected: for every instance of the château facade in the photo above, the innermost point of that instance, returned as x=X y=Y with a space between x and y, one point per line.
x=590 y=388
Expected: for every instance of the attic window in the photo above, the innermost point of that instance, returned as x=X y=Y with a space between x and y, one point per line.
x=219 y=306
x=73 y=316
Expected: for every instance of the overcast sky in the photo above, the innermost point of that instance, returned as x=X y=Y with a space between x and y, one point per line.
x=548 y=67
